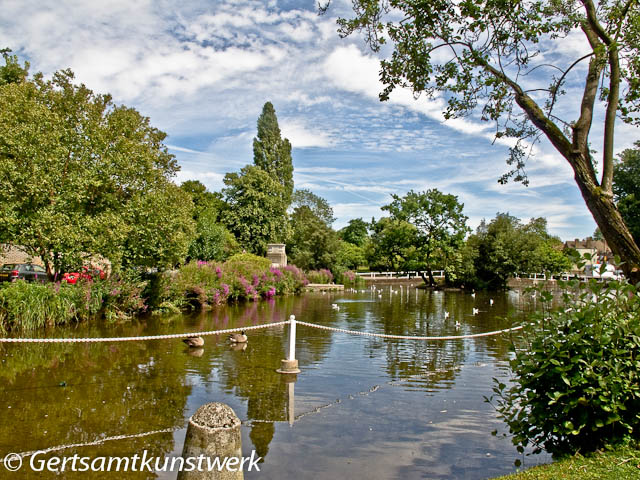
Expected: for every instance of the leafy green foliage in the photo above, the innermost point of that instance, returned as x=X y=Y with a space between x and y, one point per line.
x=505 y=247
x=626 y=188
x=350 y=256
x=12 y=72
x=318 y=205
x=440 y=226
x=313 y=244
x=576 y=384
x=256 y=214
x=272 y=153
x=393 y=246
x=356 y=232
x=80 y=176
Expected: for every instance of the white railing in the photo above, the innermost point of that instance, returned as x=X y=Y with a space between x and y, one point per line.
x=400 y=275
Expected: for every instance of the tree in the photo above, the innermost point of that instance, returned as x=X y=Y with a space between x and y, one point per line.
x=626 y=188
x=313 y=244
x=481 y=55
x=440 y=224
x=504 y=247
x=393 y=246
x=12 y=72
x=356 y=232
x=161 y=228
x=79 y=176
x=256 y=214
x=318 y=205
x=350 y=256
x=272 y=153
x=212 y=241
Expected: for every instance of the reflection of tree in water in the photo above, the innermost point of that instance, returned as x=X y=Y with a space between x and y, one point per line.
x=75 y=393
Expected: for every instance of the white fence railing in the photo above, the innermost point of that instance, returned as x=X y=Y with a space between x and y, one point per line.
x=400 y=275
x=440 y=274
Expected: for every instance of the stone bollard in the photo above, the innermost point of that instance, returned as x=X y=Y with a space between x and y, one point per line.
x=213 y=431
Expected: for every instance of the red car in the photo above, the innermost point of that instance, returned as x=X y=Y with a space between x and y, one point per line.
x=86 y=273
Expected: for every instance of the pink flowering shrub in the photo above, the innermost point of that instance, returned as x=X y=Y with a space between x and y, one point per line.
x=320 y=276
x=242 y=277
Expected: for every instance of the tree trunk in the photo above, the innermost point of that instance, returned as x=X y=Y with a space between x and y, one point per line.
x=431 y=281
x=610 y=222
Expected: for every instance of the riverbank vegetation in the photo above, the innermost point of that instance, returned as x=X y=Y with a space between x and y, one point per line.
x=575 y=385
x=622 y=463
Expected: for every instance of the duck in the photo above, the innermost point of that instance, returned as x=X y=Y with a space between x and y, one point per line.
x=238 y=337
x=194 y=342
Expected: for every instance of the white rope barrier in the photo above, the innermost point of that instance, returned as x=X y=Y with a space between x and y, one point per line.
x=255 y=327
x=408 y=337
x=135 y=339
x=95 y=442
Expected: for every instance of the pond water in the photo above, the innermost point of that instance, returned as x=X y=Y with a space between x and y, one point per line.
x=362 y=407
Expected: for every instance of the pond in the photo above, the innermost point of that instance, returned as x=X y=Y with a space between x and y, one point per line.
x=362 y=407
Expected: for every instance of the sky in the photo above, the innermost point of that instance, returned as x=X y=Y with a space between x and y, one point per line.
x=202 y=70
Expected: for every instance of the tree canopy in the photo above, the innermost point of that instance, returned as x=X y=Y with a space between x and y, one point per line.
x=626 y=188
x=256 y=214
x=318 y=205
x=440 y=225
x=501 y=59
x=504 y=247
x=79 y=174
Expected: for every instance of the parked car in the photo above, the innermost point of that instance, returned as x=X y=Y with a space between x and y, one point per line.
x=10 y=272
x=86 y=273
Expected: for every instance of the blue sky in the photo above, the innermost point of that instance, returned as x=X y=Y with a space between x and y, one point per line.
x=201 y=70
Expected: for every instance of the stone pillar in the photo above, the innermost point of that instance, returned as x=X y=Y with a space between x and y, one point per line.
x=214 y=431
x=277 y=254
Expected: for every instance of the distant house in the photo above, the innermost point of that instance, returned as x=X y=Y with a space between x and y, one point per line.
x=15 y=254
x=598 y=250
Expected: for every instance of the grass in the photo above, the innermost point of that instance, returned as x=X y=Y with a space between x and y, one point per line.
x=620 y=464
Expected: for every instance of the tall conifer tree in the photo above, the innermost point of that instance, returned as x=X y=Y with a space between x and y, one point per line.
x=272 y=153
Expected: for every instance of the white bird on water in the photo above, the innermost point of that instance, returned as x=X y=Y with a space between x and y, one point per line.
x=475 y=311
x=491 y=302
x=335 y=306
x=473 y=295
x=446 y=314
x=457 y=324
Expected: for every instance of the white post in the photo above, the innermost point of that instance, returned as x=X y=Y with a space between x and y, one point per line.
x=290 y=364
x=292 y=338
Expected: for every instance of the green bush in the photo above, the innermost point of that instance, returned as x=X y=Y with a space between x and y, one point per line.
x=577 y=385
x=29 y=306
x=322 y=276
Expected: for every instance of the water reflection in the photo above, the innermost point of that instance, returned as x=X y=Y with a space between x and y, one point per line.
x=356 y=396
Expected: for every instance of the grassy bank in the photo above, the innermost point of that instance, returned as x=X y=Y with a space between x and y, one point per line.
x=619 y=464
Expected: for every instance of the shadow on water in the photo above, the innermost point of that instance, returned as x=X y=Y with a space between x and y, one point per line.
x=386 y=408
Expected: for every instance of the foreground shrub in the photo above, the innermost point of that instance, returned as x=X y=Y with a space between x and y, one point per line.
x=577 y=385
